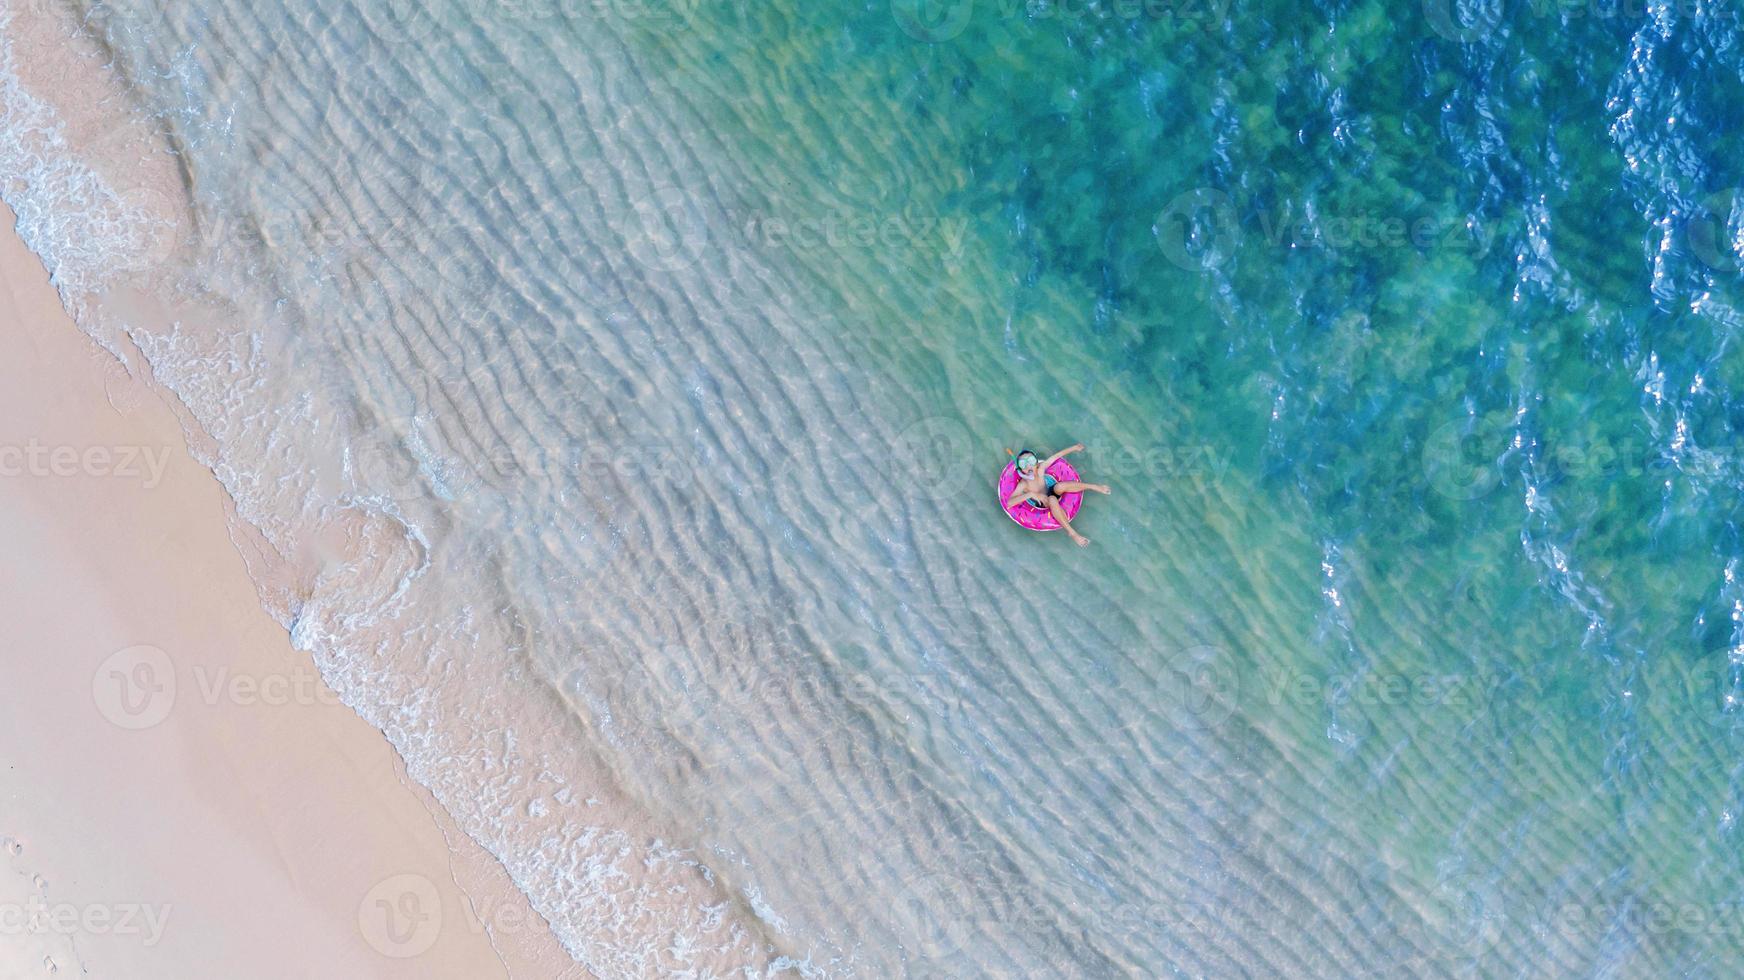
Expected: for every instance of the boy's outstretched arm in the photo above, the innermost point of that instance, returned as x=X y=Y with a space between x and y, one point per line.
x=1073 y=448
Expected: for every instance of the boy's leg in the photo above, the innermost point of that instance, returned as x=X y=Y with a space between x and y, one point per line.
x=1059 y=513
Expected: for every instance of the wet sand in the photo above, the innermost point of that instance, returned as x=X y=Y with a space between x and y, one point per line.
x=181 y=795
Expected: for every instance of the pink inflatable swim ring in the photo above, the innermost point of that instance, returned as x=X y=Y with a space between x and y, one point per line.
x=1038 y=518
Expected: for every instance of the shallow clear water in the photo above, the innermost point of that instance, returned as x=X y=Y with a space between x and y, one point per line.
x=621 y=387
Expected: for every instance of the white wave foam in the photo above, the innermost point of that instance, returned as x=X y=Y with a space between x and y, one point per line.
x=86 y=233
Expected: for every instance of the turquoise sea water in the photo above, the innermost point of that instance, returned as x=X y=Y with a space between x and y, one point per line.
x=641 y=372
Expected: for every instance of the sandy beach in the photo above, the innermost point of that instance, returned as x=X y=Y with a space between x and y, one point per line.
x=187 y=795
x=181 y=795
